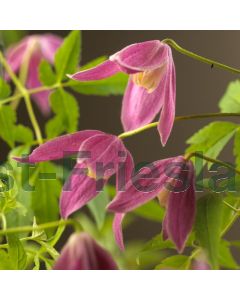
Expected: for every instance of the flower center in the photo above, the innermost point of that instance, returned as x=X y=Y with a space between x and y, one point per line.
x=149 y=79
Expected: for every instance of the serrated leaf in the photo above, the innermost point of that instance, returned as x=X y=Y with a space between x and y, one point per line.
x=66 y=110
x=5 y=89
x=46 y=74
x=23 y=134
x=97 y=207
x=16 y=252
x=157 y=243
x=46 y=195
x=208 y=225
x=151 y=211
x=228 y=214
x=7 y=124
x=176 y=262
x=68 y=55
x=230 y=101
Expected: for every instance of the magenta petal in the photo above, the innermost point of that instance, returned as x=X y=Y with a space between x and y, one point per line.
x=59 y=147
x=49 y=45
x=82 y=253
x=105 y=149
x=141 y=56
x=181 y=212
x=104 y=70
x=140 y=107
x=78 y=190
x=117 y=230
x=169 y=95
x=140 y=190
x=42 y=101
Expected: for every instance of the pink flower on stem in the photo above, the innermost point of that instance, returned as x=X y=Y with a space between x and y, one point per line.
x=82 y=253
x=28 y=54
x=151 y=87
x=172 y=180
x=100 y=156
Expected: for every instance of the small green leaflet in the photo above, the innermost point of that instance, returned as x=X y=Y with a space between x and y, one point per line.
x=208 y=225
x=151 y=211
x=230 y=101
x=226 y=259
x=157 y=243
x=16 y=252
x=67 y=56
x=97 y=207
x=177 y=262
x=46 y=74
x=10 y=132
x=5 y=89
x=46 y=195
x=66 y=110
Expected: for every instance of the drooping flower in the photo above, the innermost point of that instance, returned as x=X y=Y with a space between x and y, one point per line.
x=172 y=180
x=29 y=52
x=151 y=87
x=81 y=252
x=100 y=155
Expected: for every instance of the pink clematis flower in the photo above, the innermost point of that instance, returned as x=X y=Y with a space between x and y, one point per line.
x=172 y=180
x=100 y=155
x=82 y=253
x=30 y=51
x=151 y=87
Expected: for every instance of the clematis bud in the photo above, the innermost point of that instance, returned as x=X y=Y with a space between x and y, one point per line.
x=81 y=252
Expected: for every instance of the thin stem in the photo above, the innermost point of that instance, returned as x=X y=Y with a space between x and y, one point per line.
x=39 y=227
x=203 y=59
x=24 y=93
x=179 y=118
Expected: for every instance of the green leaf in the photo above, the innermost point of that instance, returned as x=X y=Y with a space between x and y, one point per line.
x=226 y=259
x=7 y=121
x=114 y=85
x=151 y=211
x=46 y=195
x=97 y=207
x=230 y=101
x=157 y=243
x=66 y=110
x=5 y=89
x=16 y=252
x=228 y=214
x=236 y=148
x=68 y=55
x=46 y=74
x=5 y=261
x=208 y=225
x=23 y=134
x=177 y=262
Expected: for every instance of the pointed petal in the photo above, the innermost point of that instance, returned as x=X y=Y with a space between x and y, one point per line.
x=104 y=148
x=15 y=55
x=59 y=147
x=139 y=190
x=42 y=101
x=168 y=84
x=164 y=229
x=140 y=107
x=81 y=252
x=104 y=70
x=141 y=56
x=117 y=230
x=49 y=45
x=78 y=190
x=124 y=172
x=181 y=211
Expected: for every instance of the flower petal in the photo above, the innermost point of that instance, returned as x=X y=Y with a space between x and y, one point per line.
x=140 y=107
x=78 y=190
x=117 y=230
x=141 y=56
x=104 y=70
x=49 y=45
x=181 y=211
x=168 y=85
x=59 y=147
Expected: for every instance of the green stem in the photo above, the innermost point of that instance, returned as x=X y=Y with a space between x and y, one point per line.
x=179 y=118
x=25 y=94
x=40 y=227
x=203 y=59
